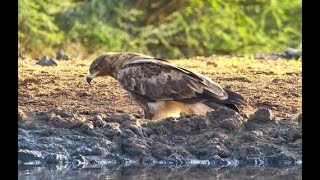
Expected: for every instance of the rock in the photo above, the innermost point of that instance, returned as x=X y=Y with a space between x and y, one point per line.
x=277 y=80
x=61 y=112
x=59 y=116
x=135 y=147
x=167 y=152
x=61 y=55
x=26 y=155
x=99 y=151
x=280 y=159
x=98 y=120
x=221 y=114
x=292 y=53
x=99 y=123
x=252 y=136
x=230 y=124
x=97 y=117
x=55 y=158
x=120 y=118
x=113 y=129
x=85 y=127
x=244 y=115
x=201 y=122
x=78 y=118
x=49 y=132
x=217 y=161
x=210 y=150
x=291 y=135
x=136 y=129
x=21 y=56
x=183 y=125
x=54 y=117
x=262 y=115
x=79 y=160
x=83 y=151
x=268 y=148
x=46 y=61
x=250 y=151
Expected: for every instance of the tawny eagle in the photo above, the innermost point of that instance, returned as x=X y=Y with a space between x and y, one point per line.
x=161 y=88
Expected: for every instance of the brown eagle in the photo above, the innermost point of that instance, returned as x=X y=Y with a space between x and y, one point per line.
x=161 y=88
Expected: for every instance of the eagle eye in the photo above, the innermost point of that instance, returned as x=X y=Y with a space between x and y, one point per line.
x=95 y=67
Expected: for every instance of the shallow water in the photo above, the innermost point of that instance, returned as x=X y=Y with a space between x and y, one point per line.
x=146 y=172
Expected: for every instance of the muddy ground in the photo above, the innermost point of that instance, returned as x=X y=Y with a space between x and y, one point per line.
x=64 y=120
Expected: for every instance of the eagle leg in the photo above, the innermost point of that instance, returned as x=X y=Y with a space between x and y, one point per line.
x=143 y=103
x=148 y=114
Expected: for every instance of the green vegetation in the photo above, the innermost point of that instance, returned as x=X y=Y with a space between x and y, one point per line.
x=168 y=28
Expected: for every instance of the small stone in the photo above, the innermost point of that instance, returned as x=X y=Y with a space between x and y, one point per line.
x=120 y=118
x=252 y=136
x=211 y=63
x=55 y=158
x=244 y=115
x=98 y=151
x=293 y=53
x=221 y=114
x=217 y=160
x=86 y=126
x=250 y=151
x=46 y=61
x=262 y=114
x=78 y=118
x=61 y=112
x=135 y=147
x=21 y=56
x=26 y=155
x=230 y=124
x=295 y=94
x=65 y=57
x=61 y=55
x=99 y=123
x=83 y=151
x=200 y=121
x=294 y=109
x=54 y=117
x=79 y=160
x=97 y=117
x=276 y=80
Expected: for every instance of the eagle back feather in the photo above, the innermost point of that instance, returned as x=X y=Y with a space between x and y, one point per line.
x=157 y=79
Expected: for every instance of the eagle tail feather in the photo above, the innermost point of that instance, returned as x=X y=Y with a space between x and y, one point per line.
x=231 y=102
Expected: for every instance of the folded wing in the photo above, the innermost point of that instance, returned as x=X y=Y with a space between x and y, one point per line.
x=157 y=79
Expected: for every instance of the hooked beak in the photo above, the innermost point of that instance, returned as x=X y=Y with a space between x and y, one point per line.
x=90 y=77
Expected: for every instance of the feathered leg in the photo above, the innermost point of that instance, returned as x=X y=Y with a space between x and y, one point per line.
x=143 y=103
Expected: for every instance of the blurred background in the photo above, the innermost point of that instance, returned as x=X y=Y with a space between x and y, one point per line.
x=166 y=28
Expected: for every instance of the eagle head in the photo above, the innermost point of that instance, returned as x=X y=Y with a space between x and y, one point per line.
x=101 y=66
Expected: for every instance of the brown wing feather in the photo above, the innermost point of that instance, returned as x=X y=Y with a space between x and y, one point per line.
x=159 y=80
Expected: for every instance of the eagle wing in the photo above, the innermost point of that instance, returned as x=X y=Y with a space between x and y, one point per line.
x=157 y=79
